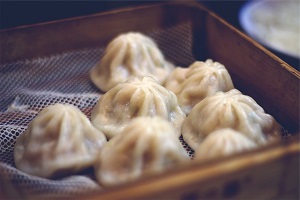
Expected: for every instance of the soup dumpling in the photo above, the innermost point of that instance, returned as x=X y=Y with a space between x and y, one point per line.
x=129 y=55
x=198 y=81
x=60 y=140
x=140 y=96
x=147 y=145
x=229 y=109
x=222 y=143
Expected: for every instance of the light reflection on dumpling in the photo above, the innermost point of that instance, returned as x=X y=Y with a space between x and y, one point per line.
x=129 y=55
x=140 y=96
x=60 y=140
x=228 y=110
x=146 y=146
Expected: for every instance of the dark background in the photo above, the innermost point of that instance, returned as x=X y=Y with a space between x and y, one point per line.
x=19 y=13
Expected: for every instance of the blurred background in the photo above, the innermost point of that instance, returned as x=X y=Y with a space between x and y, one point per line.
x=18 y=13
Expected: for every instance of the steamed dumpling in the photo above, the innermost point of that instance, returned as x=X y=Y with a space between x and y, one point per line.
x=228 y=110
x=147 y=145
x=129 y=55
x=59 y=141
x=223 y=142
x=140 y=96
x=198 y=81
x=176 y=78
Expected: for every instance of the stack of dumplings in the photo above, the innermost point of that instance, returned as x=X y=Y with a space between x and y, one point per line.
x=136 y=124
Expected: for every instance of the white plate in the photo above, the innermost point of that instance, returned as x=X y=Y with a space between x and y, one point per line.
x=273 y=23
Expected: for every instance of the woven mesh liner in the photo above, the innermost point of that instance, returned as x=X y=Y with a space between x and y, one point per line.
x=28 y=86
